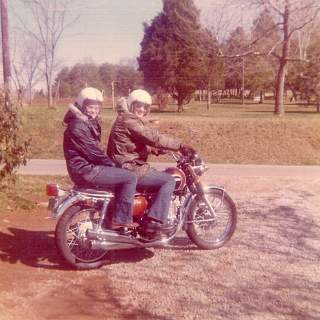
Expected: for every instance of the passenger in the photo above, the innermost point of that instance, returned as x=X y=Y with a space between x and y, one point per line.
x=88 y=166
x=131 y=141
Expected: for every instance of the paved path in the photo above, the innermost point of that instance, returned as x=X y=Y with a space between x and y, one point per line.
x=57 y=167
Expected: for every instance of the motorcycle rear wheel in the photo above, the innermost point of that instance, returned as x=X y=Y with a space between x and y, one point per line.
x=209 y=232
x=71 y=239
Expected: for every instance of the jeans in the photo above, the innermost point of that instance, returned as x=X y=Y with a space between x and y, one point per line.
x=125 y=183
x=162 y=183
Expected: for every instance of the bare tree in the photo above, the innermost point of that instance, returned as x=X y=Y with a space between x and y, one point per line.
x=222 y=17
x=26 y=66
x=304 y=37
x=50 y=20
x=293 y=16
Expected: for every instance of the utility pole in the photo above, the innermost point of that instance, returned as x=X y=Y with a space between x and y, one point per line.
x=242 y=82
x=5 y=51
x=112 y=91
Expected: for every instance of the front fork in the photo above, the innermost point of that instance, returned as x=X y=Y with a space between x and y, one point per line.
x=200 y=190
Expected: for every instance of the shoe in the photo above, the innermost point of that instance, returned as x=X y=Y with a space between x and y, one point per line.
x=151 y=225
x=129 y=225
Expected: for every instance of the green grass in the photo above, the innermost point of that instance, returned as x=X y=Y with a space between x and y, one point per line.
x=226 y=133
x=26 y=194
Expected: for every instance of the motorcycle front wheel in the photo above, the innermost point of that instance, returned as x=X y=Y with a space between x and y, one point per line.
x=71 y=239
x=208 y=230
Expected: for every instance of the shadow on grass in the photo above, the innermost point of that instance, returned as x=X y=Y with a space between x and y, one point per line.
x=37 y=249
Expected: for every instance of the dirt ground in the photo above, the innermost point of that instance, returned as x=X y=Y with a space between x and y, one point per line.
x=269 y=270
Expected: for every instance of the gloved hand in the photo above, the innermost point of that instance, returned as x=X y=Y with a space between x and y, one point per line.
x=186 y=150
x=157 y=151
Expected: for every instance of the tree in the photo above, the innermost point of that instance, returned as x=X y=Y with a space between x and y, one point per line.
x=26 y=66
x=127 y=79
x=170 y=50
x=124 y=78
x=63 y=83
x=305 y=78
x=237 y=43
x=212 y=65
x=261 y=70
x=12 y=148
x=107 y=73
x=49 y=21
x=291 y=16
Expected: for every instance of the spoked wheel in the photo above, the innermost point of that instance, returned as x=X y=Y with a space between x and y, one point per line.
x=208 y=230
x=71 y=239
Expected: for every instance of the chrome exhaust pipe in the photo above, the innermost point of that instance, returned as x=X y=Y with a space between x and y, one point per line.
x=105 y=245
x=110 y=236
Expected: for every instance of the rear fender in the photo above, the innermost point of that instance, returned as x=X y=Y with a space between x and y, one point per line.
x=65 y=204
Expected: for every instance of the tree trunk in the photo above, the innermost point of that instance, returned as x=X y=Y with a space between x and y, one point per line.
x=209 y=95
x=180 y=107
x=29 y=94
x=279 y=104
x=49 y=95
x=261 y=97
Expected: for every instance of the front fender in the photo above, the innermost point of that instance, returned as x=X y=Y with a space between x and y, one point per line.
x=208 y=188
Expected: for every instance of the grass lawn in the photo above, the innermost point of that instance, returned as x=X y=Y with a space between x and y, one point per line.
x=227 y=133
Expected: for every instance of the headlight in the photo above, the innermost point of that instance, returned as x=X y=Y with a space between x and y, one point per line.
x=199 y=170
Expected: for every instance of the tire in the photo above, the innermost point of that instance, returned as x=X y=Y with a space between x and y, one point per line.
x=212 y=234
x=71 y=240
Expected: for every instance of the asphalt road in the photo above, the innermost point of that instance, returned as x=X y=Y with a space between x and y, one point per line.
x=58 y=167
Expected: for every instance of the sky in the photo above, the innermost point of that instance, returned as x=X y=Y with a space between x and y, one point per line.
x=107 y=30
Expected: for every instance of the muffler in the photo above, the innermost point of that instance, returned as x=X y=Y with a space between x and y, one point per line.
x=106 y=245
x=110 y=236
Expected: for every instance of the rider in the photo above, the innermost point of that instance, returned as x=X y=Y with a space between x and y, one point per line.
x=88 y=166
x=130 y=142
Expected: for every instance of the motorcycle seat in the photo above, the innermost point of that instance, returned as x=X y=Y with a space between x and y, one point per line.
x=97 y=190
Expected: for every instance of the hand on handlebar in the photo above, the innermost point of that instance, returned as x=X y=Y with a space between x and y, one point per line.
x=186 y=150
x=159 y=152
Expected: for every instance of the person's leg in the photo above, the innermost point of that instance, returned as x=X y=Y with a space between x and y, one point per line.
x=163 y=183
x=124 y=182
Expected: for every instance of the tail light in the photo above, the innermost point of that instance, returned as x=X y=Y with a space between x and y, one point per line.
x=52 y=190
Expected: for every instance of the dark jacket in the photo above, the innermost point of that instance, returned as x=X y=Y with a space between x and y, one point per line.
x=131 y=140
x=81 y=147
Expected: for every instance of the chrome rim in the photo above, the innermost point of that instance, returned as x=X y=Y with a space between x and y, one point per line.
x=213 y=228
x=76 y=236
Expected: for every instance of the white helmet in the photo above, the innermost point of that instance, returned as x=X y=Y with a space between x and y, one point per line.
x=139 y=96
x=89 y=95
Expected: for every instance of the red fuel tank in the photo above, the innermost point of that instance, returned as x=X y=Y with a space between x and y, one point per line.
x=179 y=176
x=140 y=205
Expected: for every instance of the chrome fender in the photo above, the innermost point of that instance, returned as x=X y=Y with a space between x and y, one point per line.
x=65 y=204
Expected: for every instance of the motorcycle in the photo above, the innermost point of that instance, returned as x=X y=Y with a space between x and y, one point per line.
x=206 y=213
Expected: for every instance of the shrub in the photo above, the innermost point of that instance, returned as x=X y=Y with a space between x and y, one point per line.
x=13 y=148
